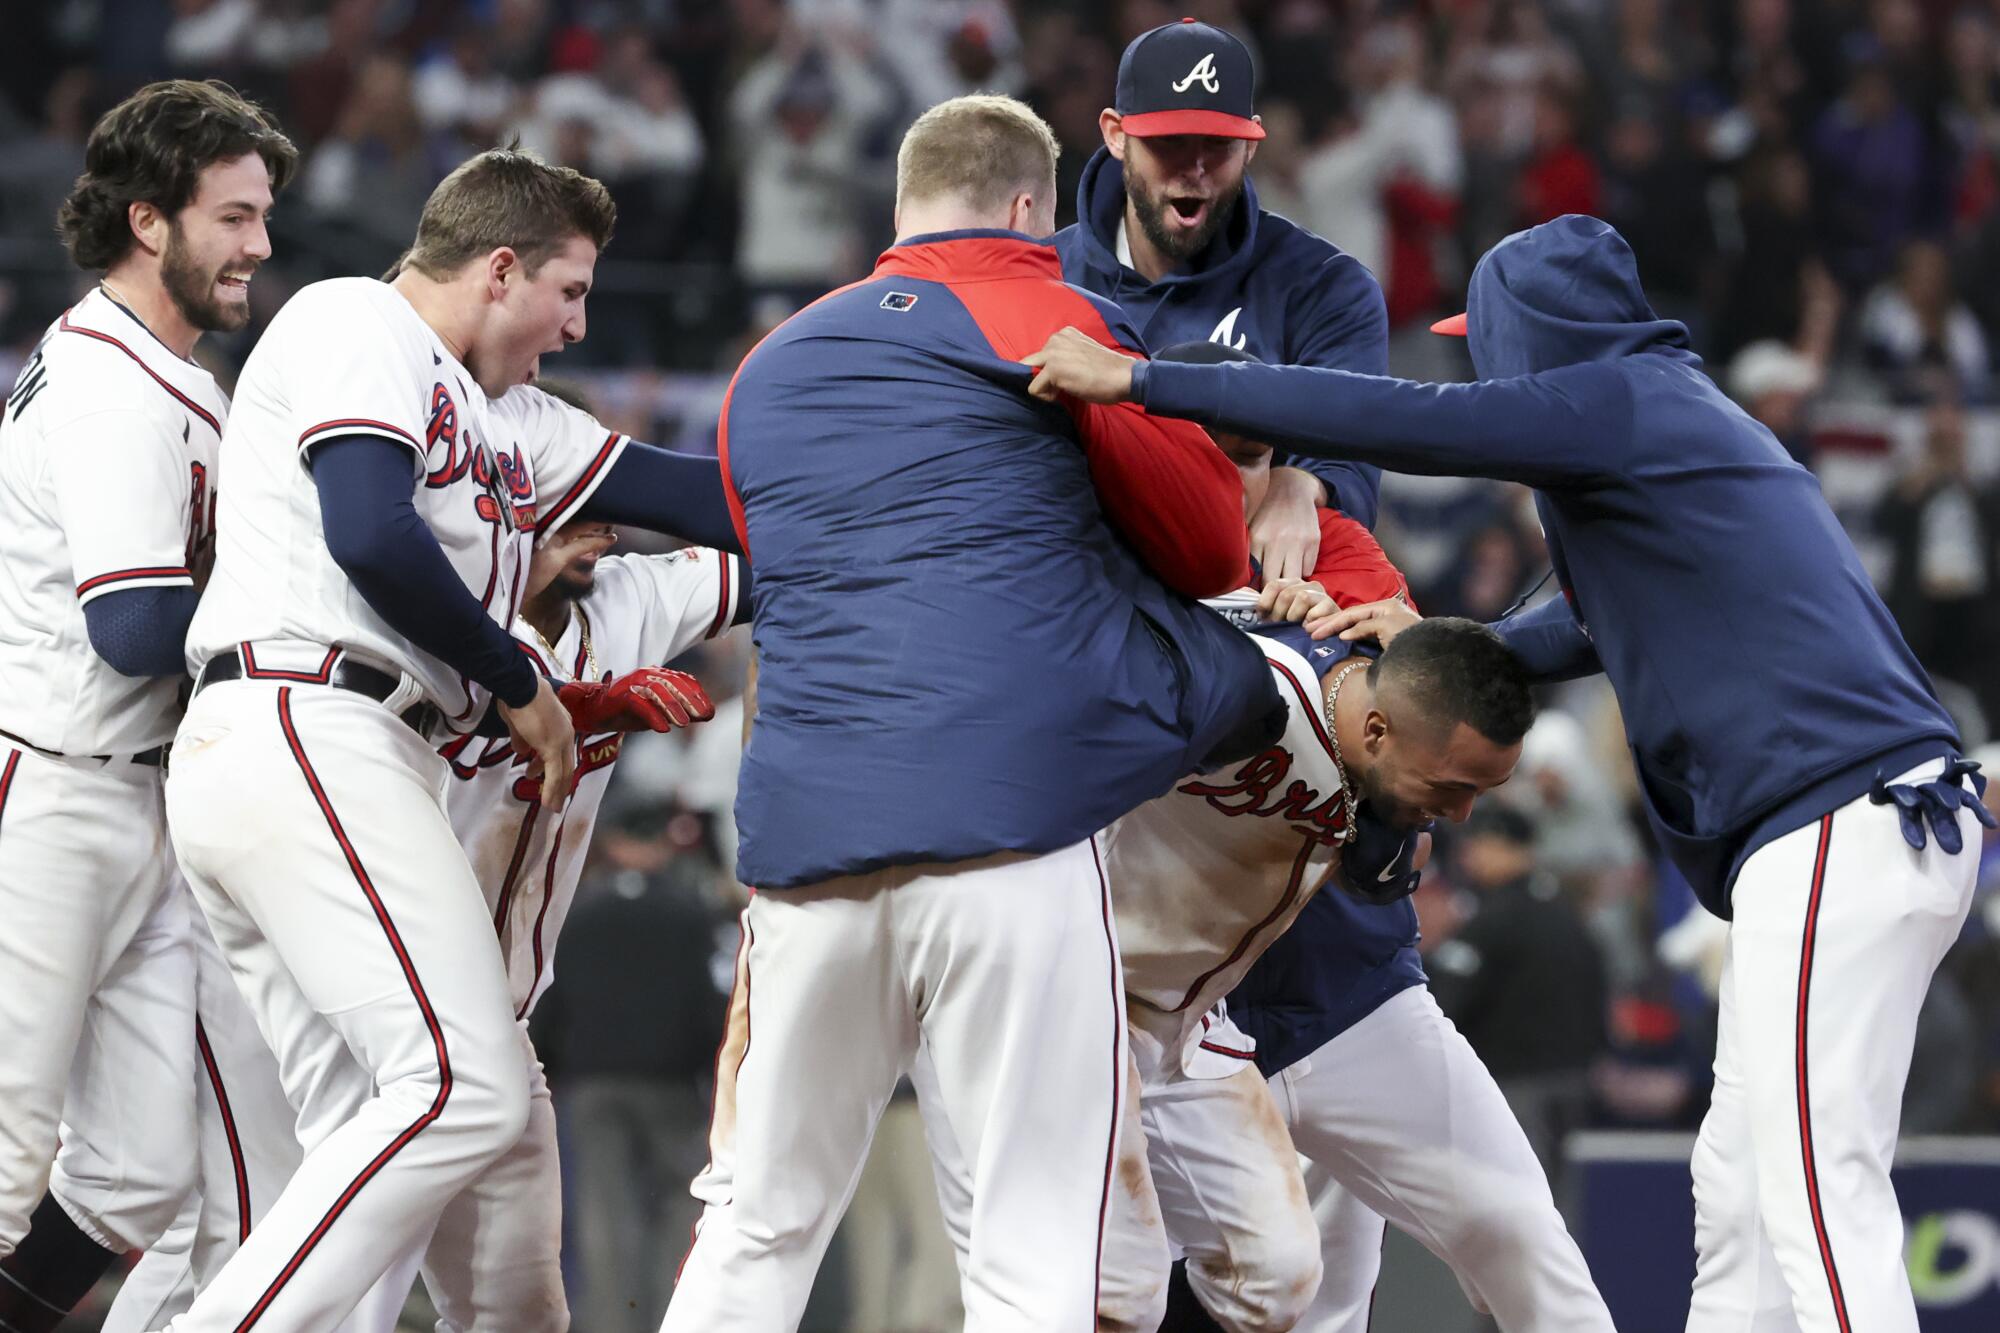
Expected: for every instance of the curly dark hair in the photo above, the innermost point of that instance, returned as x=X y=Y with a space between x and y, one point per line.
x=1459 y=670
x=152 y=148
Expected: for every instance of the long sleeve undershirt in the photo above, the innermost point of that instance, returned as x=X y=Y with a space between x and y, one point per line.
x=368 y=508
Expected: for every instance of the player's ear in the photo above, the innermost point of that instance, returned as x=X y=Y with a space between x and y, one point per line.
x=1112 y=126
x=502 y=267
x=149 y=225
x=1250 y=146
x=1375 y=730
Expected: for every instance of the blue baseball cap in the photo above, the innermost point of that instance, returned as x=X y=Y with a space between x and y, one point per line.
x=1187 y=78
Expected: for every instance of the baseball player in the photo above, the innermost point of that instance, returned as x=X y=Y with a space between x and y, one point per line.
x=494 y=1255
x=389 y=462
x=1395 y=1105
x=1228 y=1185
x=963 y=676
x=1168 y=227
x=1814 y=793
x=107 y=502
x=495 y=1258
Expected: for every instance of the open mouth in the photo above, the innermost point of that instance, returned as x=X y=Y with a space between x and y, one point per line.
x=1188 y=210
x=235 y=284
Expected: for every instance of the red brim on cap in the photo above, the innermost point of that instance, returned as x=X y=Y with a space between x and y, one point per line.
x=1216 y=124
x=1451 y=327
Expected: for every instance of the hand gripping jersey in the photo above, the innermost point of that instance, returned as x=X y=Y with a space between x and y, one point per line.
x=1205 y=878
x=644 y=610
x=107 y=481
x=351 y=357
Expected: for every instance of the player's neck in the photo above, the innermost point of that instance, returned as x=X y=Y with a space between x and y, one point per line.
x=1350 y=708
x=1149 y=260
x=439 y=304
x=138 y=288
x=548 y=612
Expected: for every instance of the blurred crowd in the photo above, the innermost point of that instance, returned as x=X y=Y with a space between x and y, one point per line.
x=1814 y=188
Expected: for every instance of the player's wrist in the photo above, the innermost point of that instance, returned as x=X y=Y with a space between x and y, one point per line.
x=519 y=683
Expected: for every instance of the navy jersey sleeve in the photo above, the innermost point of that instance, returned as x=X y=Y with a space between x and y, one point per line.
x=1339 y=322
x=1565 y=428
x=1550 y=642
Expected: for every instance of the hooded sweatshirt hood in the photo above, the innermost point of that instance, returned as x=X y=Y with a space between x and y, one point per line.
x=1561 y=293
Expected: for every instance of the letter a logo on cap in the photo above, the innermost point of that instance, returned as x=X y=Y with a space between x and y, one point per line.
x=1203 y=73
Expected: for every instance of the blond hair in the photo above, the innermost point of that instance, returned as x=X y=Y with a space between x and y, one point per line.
x=983 y=149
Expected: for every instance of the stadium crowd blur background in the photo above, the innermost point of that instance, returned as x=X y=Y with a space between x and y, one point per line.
x=1813 y=187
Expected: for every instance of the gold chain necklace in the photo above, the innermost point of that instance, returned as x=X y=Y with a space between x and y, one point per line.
x=583 y=629
x=1349 y=802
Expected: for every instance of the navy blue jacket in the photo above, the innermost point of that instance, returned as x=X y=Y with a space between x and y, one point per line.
x=956 y=654
x=1264 y=285
x=1341 y=958
x=1761 y=679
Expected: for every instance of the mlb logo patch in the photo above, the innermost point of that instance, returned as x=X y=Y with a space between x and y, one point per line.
x=899 y=301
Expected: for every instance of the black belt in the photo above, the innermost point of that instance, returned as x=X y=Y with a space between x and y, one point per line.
x=345 y=674
x=152 y=758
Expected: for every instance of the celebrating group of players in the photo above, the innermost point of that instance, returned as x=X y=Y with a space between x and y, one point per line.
x=1117 y=879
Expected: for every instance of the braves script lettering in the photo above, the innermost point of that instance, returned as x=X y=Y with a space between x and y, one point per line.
x=1260 y=788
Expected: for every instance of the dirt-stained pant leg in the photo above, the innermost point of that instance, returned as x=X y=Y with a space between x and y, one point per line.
x=1229 y=1186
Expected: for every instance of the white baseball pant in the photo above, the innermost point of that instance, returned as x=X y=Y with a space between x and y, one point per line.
x=1838 y=927
x=249 y=1148
x=1006 y=969
x=1399 y=1113
x=96 y=998
x=1226 y=1195
x=310 y=823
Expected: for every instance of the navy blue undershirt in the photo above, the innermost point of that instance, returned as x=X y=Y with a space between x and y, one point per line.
x=374 y=533
x=142 y=631
x=664 y=491
x=367 y=505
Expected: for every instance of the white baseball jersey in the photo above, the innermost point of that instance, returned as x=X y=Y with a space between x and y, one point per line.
x=643 y=611
x=107 y=461
x=351 y=357
x=1206 y=877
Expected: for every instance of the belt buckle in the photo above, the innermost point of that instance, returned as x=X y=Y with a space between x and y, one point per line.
x=422 y=718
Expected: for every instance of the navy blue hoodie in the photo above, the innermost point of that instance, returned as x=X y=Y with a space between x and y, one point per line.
x=1264 y=286
x=1761 y=678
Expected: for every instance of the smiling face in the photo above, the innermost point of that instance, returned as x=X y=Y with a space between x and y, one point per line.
x=1182 y=187
x=213 y=246
x=532 y=315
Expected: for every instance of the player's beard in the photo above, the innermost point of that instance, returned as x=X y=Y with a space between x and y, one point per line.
x=192 y=289
x=1152 y=211
x=574 y=584
x=1371 y=789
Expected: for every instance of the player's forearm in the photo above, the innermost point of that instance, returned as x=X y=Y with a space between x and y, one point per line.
x=664 y=491
x=379 y=541
x=1170 y=492
x=142 y=632
x=1541 y=430
x=1550 y=642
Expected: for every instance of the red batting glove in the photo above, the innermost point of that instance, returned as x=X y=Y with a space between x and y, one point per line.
x=649 y=699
